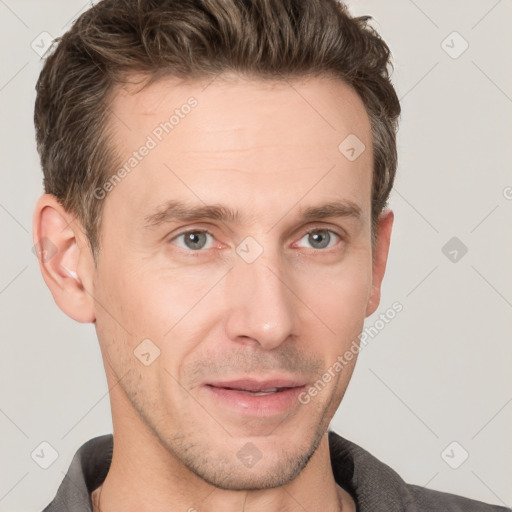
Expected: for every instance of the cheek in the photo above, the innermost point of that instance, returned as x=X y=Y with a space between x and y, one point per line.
x=152 y=300
x=167 y=307
x=338 y=295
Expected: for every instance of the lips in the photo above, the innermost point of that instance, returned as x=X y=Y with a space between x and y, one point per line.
x=258 y=387
x=264 y=398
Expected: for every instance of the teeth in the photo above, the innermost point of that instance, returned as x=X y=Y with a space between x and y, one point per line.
x=260 y=393
x=266 y=391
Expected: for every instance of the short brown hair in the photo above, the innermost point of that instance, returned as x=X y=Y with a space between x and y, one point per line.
x=194 y=39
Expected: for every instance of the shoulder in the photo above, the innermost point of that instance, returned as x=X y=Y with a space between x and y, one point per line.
x=429 y=500
x=86 y=472
x=376 y=486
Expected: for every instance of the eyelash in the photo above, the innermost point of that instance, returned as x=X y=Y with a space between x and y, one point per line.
x=200 y=251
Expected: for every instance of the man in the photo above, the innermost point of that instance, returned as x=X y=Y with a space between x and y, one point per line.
x=216 y=177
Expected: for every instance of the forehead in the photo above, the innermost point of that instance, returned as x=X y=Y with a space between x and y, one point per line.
x=321 y=103
x=256 y=145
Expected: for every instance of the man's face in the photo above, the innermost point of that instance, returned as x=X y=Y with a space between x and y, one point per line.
x=267 y=300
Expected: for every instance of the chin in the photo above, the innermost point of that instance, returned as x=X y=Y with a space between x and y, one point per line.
x=261 y=476
x=258 y=464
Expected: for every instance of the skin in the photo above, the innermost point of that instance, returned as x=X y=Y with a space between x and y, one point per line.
x=267 y=150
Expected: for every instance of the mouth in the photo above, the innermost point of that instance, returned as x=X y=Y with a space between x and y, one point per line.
x=263 y=392
x=256 y=397
x=255 y=386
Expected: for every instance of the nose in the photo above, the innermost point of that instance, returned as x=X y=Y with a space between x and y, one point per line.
x=261 y=302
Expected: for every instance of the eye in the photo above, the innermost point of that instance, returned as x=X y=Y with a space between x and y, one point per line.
x=321 y=238
x=193 y=240
x=197 y=240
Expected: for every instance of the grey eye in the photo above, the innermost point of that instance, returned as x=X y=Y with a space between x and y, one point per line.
x=320 y=238
x=193 y=240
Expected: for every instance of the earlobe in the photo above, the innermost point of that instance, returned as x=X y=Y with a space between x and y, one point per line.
x=60 y=247
x=381 y=256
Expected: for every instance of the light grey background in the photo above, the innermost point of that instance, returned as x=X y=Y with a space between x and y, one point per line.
x=438 y=373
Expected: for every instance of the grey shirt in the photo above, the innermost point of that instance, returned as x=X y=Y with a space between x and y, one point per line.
x=374 y=486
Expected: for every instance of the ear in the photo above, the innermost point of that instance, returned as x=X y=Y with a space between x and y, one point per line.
x=380 y=259
x=65 y=258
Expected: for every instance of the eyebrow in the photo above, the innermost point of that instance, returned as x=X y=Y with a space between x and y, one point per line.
x=175 y=210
